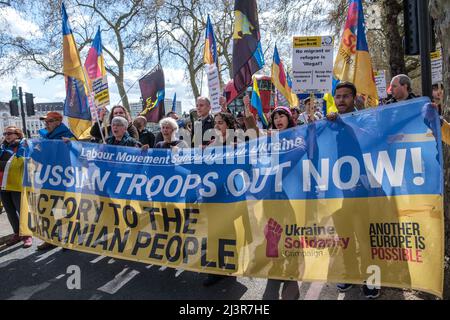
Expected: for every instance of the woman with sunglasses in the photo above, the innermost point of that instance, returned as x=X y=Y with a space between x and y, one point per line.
x=12 y=144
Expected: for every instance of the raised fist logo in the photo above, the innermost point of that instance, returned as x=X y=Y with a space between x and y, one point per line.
x=272 y=232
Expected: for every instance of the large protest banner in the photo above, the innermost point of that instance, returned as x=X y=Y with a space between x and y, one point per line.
x=347 y=201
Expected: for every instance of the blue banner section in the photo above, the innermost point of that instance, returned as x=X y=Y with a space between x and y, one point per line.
x=385 y=151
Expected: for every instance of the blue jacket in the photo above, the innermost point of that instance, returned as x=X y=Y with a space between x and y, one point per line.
x=60 y=132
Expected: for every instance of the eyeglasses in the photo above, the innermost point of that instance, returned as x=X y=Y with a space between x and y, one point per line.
x=8 y=133
x=50 y=120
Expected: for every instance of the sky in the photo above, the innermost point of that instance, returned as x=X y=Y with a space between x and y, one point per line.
x=36 y=81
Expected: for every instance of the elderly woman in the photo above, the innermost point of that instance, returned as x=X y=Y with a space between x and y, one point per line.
x=12 y=144
x=120 y=136
x=116 y=111
x=169 y=128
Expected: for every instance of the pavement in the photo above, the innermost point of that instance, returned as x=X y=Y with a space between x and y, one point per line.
x=6 y=231
x=27 y=274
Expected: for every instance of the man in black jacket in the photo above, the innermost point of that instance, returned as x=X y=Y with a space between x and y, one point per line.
x=401 y=89
x=204 y=123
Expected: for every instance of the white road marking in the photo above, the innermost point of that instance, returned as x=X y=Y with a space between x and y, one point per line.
x=119 y=281
x=314 y=290
x=47 y=254
x=98 y=259
x=25 y=293
x=179 y=271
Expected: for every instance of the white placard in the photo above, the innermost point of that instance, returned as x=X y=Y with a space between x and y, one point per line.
x=312 y=64
x=436 y=67
x=100 y=88
x=380 y=81
x=213 y=86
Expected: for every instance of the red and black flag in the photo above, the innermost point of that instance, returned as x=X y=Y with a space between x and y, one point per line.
x=247 y=52
x=153 y=92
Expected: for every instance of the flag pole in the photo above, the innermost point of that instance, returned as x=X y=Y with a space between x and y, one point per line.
x=86 y=84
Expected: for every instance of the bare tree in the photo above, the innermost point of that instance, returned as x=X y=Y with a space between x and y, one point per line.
x=185 y=23
x=125 y=31
x=390 y=15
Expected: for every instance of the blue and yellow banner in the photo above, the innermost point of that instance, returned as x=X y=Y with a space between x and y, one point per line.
x=342 y=201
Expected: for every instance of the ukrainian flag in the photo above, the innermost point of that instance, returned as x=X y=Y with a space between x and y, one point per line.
x=353 y=62
x=76 y=105
x=257 y=104
x=210 y=51
x=281 y=80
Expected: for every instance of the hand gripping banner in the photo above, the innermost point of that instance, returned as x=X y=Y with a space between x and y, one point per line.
x=348 y=201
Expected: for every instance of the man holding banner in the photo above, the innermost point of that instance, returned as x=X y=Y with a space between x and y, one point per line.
x=345 y=98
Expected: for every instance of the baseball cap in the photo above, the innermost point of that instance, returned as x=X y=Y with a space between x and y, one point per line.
x=52 y=115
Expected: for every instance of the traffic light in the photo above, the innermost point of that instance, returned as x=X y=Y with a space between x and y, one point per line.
x=14 y=108
x=433 y=35
x=411 y=27
x=30 y=104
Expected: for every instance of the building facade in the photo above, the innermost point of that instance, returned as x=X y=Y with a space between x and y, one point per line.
x=33 y=123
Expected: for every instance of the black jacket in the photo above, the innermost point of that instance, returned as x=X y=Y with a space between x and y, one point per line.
x=207 y=124
x=146 y=137
x=126 y=141
x=393 y=100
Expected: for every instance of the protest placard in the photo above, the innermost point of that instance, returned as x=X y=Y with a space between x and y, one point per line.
x=312 y=64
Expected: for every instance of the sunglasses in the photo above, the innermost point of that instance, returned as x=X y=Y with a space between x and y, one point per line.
x=50 y=120
x=8 y=133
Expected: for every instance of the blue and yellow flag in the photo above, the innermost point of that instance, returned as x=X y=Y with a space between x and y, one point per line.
x=353 y=62
x=257 y=104
x=281 y=80
x=210 y=51
x=76 y=105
